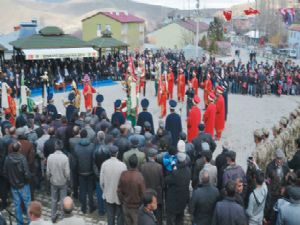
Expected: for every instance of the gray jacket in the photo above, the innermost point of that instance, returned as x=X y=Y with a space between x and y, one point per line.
x=289 y=214
x=256 y=205
x=58 y=168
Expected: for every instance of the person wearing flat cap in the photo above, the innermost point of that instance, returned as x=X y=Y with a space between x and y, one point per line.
x=117 y=118
x=51 y=108
x=98 y=110
x=71 y=108
x=209 y=117
x=194 y=119
x=145 y=116
x=134 y=150
x=220 y=112
x=153 y=176
x=173 y=123
x=278 y=165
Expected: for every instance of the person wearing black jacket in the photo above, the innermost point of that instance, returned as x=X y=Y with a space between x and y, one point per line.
x=177 y=194
x=17 y=172
x=84 y=151
x=203 y=137
x=101 y=154
x=49 y=144
x=295 y=162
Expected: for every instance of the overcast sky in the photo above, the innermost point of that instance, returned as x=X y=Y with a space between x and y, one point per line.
x=184 y=4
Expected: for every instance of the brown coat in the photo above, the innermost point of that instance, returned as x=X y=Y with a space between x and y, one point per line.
x=153 y=175
x=131 y=188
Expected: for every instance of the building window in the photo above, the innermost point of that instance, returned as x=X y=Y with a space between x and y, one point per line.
x=107 y=27
x=124 y=30
x=99 y=30
x=141 y=28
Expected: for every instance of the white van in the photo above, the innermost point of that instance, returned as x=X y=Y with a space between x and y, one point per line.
x=288 y=52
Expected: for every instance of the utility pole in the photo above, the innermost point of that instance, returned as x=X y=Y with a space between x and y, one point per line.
x=197 y=27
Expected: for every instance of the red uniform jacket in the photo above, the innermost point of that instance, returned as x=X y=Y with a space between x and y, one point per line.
x=181 y=87
x=220 y=114
x=195 y=85
x=170 y=84
x=209 y=119
x=88 y=91
x=193 y=121
x=207 y=86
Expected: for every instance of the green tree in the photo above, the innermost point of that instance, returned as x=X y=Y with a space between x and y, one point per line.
x=215 y=30
x=213 y=47
x=203 y=42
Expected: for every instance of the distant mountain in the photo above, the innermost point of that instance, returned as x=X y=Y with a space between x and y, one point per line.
x=67 y=14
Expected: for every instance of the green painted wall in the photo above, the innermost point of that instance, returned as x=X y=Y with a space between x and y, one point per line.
x=134 y=37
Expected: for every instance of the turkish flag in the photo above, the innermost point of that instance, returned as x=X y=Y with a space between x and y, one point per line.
x=251 y=11
x=227 y=15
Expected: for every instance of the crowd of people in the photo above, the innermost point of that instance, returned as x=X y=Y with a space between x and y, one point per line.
x=142 y=175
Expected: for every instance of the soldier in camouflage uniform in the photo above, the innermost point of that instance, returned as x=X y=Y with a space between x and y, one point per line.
x=285 y=136
x=297 y=120
x=277 y=142
x=260 y=153
x=293 y=130
x=268 y=145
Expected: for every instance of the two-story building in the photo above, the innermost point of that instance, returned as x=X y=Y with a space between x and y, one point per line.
x=177 y=34
x=123 y=26
x=294 y=38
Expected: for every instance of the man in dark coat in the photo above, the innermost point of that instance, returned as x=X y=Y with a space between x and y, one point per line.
x=203 y=201
x=177 y=195
x=122 y=142
x=84 y=162
x=295 y=162
x=99 y=110
x=203 y=137
x=51 y=108
x=173 y=123
x=153 y=175
x=71 y=108
x=228 y=211
x=117 y=118
x=145 y=116
x=145 y=214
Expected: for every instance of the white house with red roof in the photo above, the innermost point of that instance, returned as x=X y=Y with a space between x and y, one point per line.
x=123 y=25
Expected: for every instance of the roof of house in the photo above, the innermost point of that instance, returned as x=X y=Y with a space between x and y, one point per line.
x=107 y=41
x=192 y=25
x=122 y=17
x=295 y=27
x=49 y=37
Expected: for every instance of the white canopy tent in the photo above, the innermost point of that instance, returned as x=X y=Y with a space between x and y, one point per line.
x=59 y=53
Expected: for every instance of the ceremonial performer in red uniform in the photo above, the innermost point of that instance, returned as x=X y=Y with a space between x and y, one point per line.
x=170 y=83
x=207 y=86
x=180 y=86
x=194 y=82
x=12 y=107
x=163 y=97
x=194 y=119
x=88 y=91
x=220 y=112
x=209 y=116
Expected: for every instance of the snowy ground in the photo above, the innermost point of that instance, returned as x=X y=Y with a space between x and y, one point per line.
x=246 y=113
